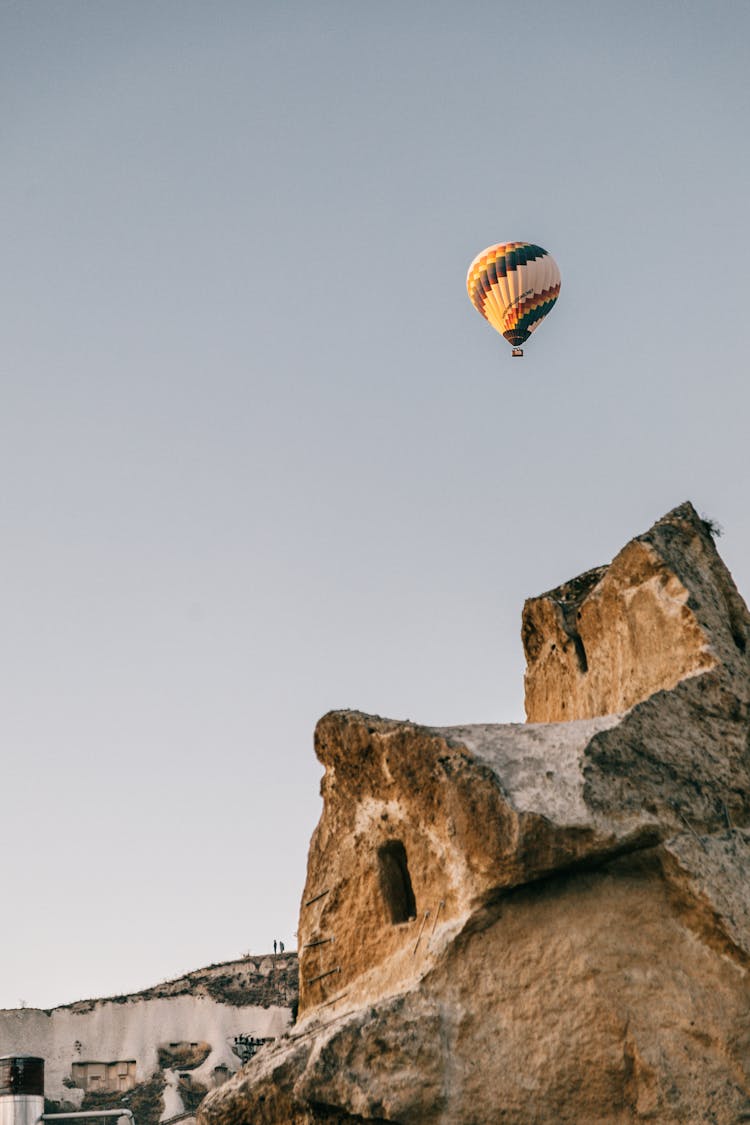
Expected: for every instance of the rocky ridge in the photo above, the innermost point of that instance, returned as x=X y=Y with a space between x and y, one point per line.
x=189 y=1025
x=260 y=981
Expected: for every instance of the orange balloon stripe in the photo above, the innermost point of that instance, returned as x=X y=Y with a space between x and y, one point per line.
x=533 y=302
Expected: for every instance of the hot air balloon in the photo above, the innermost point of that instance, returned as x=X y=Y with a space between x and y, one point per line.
x=514 y=285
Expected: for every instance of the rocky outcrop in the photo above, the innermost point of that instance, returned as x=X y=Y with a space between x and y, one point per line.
x=664 y=609
x=543 y=922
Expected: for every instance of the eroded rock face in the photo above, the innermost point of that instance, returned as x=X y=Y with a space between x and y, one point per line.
x=543 y=922
x=664 y=609
x=586 y=998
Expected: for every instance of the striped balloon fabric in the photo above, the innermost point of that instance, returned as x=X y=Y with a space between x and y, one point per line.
x=513 y=285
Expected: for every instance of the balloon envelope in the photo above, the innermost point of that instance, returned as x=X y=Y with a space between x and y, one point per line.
x=513 y=285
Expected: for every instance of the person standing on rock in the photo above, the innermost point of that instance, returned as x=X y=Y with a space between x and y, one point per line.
x=274 y=947
x=281 y=947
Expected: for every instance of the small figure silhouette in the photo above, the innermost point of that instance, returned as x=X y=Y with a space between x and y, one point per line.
x=281 y=947
x=274 y=945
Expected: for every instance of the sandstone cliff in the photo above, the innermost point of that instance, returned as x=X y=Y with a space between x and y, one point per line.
x=546 y=922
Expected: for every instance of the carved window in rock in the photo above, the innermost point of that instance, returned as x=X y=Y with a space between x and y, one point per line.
x=395 y=882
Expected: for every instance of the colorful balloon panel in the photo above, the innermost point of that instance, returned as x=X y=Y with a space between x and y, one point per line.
x=513 y=285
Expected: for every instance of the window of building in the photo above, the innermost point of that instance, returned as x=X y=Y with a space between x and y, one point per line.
x=395 y=882
x=112 y=1076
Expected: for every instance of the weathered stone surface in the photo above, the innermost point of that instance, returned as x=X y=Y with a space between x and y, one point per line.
x=597 y=996
x=664 y=609
x=546 y=922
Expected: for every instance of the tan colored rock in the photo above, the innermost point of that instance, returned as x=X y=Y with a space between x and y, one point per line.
x=541 y=922
x=597 y=996
x=664 y=609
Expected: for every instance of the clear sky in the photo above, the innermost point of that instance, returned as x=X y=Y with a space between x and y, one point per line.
x=261 y=458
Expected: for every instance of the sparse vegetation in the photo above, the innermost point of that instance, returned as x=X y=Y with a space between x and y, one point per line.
x=239 y=983
x=145 y=1100
x=52 y=1106
x=183 y=1056
x=191 y=1092
x=242 y=989
x=713 y=528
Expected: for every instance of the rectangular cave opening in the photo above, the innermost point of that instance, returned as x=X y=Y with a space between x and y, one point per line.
x=395 y=882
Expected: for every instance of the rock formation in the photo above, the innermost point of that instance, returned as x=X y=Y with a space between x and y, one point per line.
x=665 y=608
x=157 y=1050
x=543 y=922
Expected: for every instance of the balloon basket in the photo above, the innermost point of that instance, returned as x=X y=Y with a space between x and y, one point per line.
x=517 y=352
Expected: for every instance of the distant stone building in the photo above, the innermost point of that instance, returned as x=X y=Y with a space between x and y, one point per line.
x=111 y=1076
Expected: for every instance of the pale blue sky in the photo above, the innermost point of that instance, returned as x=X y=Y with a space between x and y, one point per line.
x=262 y=458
